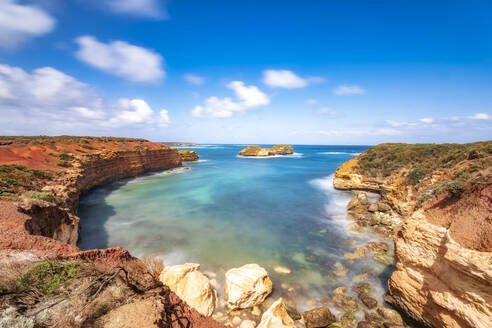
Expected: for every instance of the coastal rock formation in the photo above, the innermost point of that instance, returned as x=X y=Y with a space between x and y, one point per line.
x=246 y=286
x=191 y=285
x=261 y=151
x=443 y=248
x=276 y=316
x=188 y=155
x=319 y=317
x=41 y=179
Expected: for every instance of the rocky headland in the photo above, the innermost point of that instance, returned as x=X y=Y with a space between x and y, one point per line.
x=443 y=246
x=46 y=280
x=261 y=151
x=188 y=155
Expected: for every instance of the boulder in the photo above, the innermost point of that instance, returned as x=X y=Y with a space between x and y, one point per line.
x=247 y=324
x=373 y=207
x=368 y=301
x=276 y=316
x=319 y=317
x=246 y=286
x=378 y=247
x=191 y=285
x=188 y=155
x=390 y=316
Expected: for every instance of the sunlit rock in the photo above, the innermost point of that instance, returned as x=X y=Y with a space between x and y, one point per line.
x=246 y=286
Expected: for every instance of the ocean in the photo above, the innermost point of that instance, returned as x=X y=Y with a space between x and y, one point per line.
x=225 y=211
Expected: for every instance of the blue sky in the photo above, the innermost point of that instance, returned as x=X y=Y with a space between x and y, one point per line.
x=302 y=72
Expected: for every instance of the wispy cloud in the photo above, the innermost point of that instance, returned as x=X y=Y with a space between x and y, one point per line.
x=480 y=116
x=20 y=22
x=121 y=59
x=247 y=97
x=287 y=79
x=50 y=101
x=311 y=102
x=344 y=90
x=148 y=8
x=331 y=113
x=194 y=79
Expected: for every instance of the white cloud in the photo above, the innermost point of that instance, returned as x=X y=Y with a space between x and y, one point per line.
x=480 y=116
x=343 y=90
x=163 y=119
x=134 y=111
x=20 y=22
x=50 y=101
x=248 y=97
x=283 y=79
x=88 y=113
x=331 y=113
x=426 y=120
x=122 y=59
x=148 y=8
x=194 y=79
x=311 y=102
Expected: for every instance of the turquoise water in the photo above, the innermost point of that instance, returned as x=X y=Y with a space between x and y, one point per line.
x=225 y=211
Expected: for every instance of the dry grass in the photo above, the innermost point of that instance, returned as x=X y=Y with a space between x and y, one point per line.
x=26 y=140
x=154 y=264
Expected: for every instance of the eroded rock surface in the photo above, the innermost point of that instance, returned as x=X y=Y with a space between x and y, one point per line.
x=191 y=285
x=443 y=247
x=246 y=286
x=276 y=316
x=188 y=155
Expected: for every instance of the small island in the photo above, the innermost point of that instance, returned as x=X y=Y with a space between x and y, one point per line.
x=279 y=149
x=188 y=155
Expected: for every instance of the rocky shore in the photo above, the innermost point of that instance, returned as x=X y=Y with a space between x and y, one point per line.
x=443 y=193
x=261 y=151
x=46 y=280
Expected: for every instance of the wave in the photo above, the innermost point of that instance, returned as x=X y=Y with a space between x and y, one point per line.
x=339 y=153
x=337 y=199
x=294 y=155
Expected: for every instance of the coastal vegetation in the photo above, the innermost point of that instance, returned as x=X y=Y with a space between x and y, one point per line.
x=456 y=164
x=16 y=180
x=31 y=140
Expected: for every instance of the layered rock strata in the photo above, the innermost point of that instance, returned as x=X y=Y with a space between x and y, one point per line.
x=443 y=247
x=39 y=227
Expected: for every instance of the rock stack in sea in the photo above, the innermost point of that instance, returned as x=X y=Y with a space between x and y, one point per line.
x=188 y=155
x=279 y=149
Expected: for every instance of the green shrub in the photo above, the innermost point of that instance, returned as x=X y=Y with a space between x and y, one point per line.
x=51 y=278
x=41 y=195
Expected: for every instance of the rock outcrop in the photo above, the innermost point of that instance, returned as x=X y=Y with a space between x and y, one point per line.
x=188 y=155
x=261 y=151
x=443 y=248
x=276 y=316
x=192 y=286
x=319 y=317
x=246 y=286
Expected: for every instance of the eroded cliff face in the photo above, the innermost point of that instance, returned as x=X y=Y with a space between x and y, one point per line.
x=39 y=223
x=76 y=168
x=443 y=249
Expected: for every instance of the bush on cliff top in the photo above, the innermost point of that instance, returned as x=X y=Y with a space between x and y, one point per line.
x=51 y=278
x=25 y=140
x=423 y=159
x=17 y=179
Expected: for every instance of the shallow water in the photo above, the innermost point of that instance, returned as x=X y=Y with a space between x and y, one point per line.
x=227 y=210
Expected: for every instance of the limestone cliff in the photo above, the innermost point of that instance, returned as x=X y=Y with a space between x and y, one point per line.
x=188 y=155
x=41 y=179
x=261 y=151
x=443 y=248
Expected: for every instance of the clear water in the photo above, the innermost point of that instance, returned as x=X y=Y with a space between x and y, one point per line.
x=226 y=211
